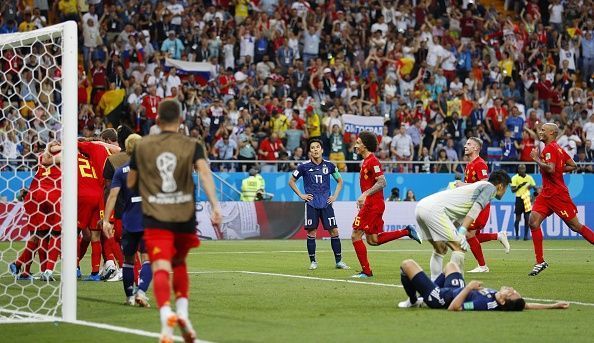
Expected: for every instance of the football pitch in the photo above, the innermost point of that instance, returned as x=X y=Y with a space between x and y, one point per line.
x=261 y=291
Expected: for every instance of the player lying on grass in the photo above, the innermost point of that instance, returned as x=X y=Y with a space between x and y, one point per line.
x=449 y=291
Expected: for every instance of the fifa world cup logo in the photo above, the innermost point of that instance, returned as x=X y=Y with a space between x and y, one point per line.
x=166 y=163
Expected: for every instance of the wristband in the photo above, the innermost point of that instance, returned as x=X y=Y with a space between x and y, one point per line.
x=462 y=230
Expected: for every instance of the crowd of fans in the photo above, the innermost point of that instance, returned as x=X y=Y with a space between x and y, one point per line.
x=281 y=72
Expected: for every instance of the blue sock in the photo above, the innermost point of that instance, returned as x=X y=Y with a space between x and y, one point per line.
x=335 y=242
x=311 y=248
x=440 y=281
x=408 y=287
x=145 y=277
x=128 y=279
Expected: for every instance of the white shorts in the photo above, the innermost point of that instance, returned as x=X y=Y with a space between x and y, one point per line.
x=435 y=224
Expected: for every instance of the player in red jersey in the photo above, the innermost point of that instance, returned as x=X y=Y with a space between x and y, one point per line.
x=554 y=197
x=371 y=205
x=42 y=205
x=477 y=170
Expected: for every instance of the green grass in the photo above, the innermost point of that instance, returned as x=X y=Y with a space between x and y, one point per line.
x=239 y=307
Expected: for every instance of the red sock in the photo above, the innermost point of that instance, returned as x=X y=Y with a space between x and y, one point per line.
x=587 y=233
x=485 y=237
x=108 y=252
x=386 y=237
x=181 y=282
x=43 y=253
x=161 y=287
x=53 y=253
x=361 y=251
x=137 y=267
x=537 y=242
x=477 y=251
x=95 y=256
x=83 y=246
x=27 y=253
x=116 y=249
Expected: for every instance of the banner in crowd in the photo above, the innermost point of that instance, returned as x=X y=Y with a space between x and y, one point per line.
x=201 y=70
x=285 y=220
x=355 y=124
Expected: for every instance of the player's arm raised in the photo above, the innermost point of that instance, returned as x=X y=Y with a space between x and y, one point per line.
x=458 y=302
x=380 y=183
x=52 y=154
x=338 y=178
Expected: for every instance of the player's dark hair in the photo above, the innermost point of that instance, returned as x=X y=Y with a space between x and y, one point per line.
x=315 y=140
x=123 y=132
x=500 y=177
x=369 y=140
x=513 y=305
x=169 y=111
x=109 y=135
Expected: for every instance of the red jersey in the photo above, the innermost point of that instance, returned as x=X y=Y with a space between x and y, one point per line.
x=270 y=149
x=88 y=178
x=553 y=183
x=371 y=169
x=46 y=177
x=97 y=154
x=151 y=105
x=476 y=170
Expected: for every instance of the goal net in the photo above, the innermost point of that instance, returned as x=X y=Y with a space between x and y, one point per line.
x=38 y=106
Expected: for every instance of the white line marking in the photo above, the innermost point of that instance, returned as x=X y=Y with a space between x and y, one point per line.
x=359 y=282
x=257 y=252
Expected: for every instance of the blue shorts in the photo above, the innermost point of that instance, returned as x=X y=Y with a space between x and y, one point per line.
x=434 y=295
x=132 y=242
x=314 y=215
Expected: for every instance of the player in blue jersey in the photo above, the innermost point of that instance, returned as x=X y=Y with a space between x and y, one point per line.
x=449 y=291
x=318 y=200
x=133 y=231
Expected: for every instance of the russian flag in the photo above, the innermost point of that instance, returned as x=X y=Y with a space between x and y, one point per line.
x=200 y=70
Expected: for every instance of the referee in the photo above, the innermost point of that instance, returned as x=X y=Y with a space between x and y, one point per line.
x=521 y=183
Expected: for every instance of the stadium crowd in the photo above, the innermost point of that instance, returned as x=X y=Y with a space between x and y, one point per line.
x=281 y=72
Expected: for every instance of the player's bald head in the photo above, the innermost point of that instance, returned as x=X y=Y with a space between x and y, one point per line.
x=551 y=128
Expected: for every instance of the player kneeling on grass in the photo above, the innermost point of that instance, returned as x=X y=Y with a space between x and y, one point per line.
x=449 y=291
x=437 y=213
x=132 y=241
x=318 y=201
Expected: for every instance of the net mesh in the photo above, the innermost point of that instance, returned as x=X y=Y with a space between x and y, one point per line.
x=30 y=104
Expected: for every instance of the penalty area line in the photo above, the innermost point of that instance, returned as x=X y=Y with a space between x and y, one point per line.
x=304 y=277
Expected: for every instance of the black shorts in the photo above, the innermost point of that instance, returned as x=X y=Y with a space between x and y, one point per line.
x=314 y=215
x=132 y=242
x=434 y=295
x=519 y=208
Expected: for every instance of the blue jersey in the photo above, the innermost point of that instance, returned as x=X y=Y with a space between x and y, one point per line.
x=316 y=181
x=482 y=300
x=132 y=214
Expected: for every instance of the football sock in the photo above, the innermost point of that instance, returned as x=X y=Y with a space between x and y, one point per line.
x=95 y=256
x=128 y=279
x=146 y=275
x=408 y=287
x=137 y=267
x=83 y=246
x=181 y=307
x=311 y=248
x=181 y=281
x=161 y=288
x=477 y=251
x=53 y=253
x=105 y=249
x=43 y=253
x=435 y=265
x=117 y=251
x=485 y=237
x=361 y=251
x=27 y=254
x=386 y=237
x=537 y=242
x=440 y=281
x=458 y=258
x=587 y=234
x=335 y=242
x=164 y=313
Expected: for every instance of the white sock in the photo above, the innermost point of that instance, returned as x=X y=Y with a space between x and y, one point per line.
x=436 y=265
x=181 y=307
x=458 y=258
x=165 y=311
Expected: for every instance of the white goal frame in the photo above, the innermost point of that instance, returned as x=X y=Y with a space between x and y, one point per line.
x=68 y=32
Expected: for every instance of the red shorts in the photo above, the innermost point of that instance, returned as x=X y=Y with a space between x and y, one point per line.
x=43 y=208
x=560 y=204
x=483 y=218
x=369 y=220
x=89 y=212
x=166 y=245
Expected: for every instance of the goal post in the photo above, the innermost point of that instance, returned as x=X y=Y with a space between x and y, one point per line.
x=38 y=104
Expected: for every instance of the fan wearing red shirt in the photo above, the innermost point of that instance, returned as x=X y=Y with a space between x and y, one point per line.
x=496 y=117
x=269 y=151
x=149 y=106
x=42 y=205
x=371 y=205
x=554 y=197
x=477 y=170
